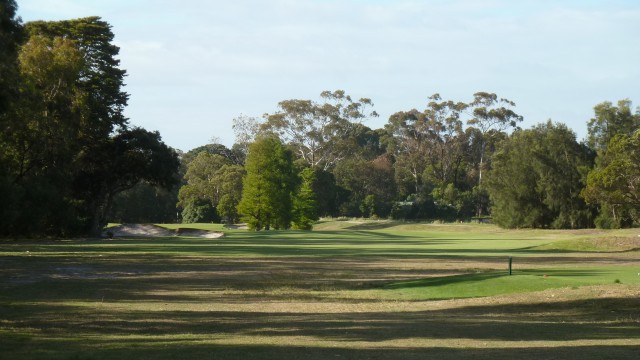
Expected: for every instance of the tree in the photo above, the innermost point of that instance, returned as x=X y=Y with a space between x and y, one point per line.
x=202 y=182
x=610 y=121
x=199 y=211
x=10 y=34
x=268 y=186
x=127 y=158
x=409 y=147
x=245 y=129
x=231 y=177
x=232 y=156
x=362 y=178
x=305 y=208
x=317 y=131
x=144 y=203
x=612 y=133
x=430 y=149
x=211 y=179
x=51 y=110
x=38 y=146
x=101 y=78
x=536 y=179
x=491 y=115
x=614 y=184
x=70 y=149
x=324 y=186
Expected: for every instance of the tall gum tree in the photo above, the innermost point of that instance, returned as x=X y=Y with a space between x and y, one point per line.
x=609 y=121
x=490 y=115
x=428 y=145
x=318 y=131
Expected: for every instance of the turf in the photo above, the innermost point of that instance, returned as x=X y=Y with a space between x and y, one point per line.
x=356 y=290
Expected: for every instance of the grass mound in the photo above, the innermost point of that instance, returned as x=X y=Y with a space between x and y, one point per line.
x=599 y=244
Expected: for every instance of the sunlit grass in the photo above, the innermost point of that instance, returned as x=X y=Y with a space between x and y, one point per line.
x=492 y=283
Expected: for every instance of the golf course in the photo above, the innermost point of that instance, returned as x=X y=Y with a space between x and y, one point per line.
x=346 y=290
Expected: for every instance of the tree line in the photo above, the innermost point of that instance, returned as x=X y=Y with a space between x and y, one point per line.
x=452 y=161
x=70 y=160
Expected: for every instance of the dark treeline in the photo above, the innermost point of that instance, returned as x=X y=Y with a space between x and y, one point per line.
x=70 y=161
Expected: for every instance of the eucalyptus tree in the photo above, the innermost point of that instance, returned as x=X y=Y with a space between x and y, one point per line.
x=449 y=142
x=245 y=129
x=429 y=147
x=491 y=116
x=409 y=146
x=610 y=120
x=318 y=131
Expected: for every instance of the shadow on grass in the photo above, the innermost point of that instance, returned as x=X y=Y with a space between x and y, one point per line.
x=183 y=350
x=370 y=225
x=157 y=334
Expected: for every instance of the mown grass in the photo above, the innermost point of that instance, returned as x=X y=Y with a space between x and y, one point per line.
x=492 y=283
x=356 y=290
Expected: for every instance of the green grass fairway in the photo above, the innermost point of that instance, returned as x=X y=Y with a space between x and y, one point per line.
x=348 y=290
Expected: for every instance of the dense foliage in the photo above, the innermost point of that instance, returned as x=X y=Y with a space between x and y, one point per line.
x=66 y=148
x=536 y=179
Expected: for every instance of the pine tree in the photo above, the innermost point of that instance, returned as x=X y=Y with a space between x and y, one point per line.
x=268 y=186
x=305 y=208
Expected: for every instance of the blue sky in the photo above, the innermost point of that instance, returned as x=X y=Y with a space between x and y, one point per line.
x=194 y=65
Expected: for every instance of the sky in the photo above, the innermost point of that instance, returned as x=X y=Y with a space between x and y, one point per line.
x=195 y=65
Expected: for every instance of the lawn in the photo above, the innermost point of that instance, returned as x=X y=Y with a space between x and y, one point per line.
x=348 y=290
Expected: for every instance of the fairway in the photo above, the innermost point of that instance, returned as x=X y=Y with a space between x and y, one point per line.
x=348 y=290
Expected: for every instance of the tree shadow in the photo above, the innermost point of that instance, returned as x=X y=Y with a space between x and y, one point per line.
x=118 y=330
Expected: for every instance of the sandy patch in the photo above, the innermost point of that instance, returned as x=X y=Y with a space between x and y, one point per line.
x=150 y=230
